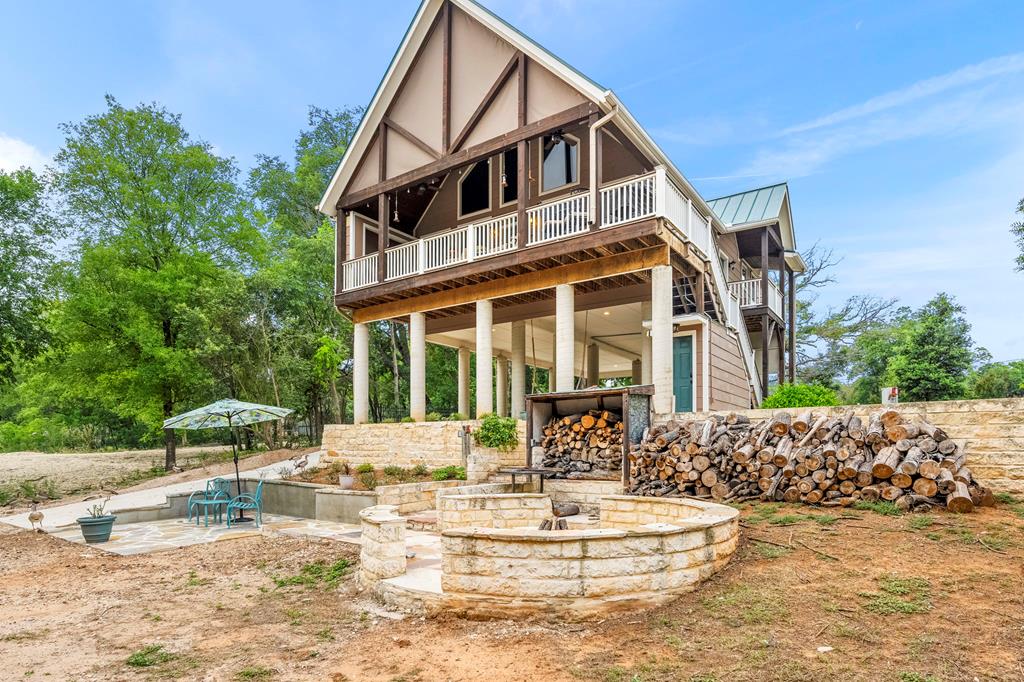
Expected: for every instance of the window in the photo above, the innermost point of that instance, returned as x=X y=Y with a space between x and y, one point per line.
x=560 y=162
x=475 y=189
x=509 y=180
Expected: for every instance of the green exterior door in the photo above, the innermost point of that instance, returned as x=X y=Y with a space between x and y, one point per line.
x=682 y=372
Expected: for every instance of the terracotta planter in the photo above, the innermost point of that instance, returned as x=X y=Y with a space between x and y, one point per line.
x=96 y=528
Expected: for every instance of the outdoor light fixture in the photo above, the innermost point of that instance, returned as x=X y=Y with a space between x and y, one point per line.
x=395 y=219
x=504 y=180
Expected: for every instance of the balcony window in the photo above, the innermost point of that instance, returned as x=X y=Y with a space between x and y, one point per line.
x=559 y=162
x=475 y=189
x=509 y=179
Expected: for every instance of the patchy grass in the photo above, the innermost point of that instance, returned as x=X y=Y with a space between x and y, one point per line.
x=317 y=574
x=771 y=551
x=919 y=522
x=917 y=677
x=785 y=520
x=746 y=605
x=898 y=596
x=149 y=656
x=254 y=672
x=882 y=507
x=824 y=519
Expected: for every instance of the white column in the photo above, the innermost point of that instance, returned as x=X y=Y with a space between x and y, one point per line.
x=645 y=348
x=593 y=365
x=484 y=358
x=565 y=341
x=518 y=368
x=464 y=381
x=661 y=338
x=360 y=373
x=501 y=385
x=417 y=366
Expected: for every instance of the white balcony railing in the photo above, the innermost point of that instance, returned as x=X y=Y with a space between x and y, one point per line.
x=361 y=272
x=496 y=236
x=749 y=292
x=558 y=219
x=629 y=200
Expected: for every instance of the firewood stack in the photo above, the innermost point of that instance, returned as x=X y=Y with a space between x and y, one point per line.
x=584 y=445
x=810 y=458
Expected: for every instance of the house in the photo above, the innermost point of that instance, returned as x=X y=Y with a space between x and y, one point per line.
x=505 y=204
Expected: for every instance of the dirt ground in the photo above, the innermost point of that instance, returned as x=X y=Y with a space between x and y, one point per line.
x=89 y=469
x=903 y=598
x=79 y=475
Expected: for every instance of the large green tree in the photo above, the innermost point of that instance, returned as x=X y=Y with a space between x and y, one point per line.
x=28 y=236
x=300 y=341
x=927 y=353
x=163 y=241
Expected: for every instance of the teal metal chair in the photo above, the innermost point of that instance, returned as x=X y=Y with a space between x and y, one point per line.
x=217 y=495
x=246 y=501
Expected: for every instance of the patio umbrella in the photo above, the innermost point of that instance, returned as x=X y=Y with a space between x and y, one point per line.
x=229 y=413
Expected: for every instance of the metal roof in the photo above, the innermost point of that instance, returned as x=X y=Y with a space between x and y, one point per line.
x=753 y=206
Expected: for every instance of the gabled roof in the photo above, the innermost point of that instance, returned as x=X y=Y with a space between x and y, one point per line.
x=761 y=207
x=414 y=38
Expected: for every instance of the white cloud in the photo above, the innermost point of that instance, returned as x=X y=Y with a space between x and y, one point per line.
x=804 y=153
x=967 y=75
x=15 y=153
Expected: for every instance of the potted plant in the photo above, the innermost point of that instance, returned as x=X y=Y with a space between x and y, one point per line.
x=345 y=479
x=97 y=525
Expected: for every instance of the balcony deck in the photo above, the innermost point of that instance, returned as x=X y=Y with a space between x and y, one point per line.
x=750 y=295
x=558 y=233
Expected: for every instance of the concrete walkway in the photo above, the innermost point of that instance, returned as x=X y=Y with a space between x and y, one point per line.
x=55 y=517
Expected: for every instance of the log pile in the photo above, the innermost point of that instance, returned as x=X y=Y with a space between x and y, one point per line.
x=831 y=461
x=584 y=445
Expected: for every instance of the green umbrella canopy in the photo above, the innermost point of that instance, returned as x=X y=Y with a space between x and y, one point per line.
x=226 y=413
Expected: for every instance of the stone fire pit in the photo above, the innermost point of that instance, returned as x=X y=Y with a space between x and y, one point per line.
x=495 y=562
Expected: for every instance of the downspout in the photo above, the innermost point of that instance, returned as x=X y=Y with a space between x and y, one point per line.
x=594 y=189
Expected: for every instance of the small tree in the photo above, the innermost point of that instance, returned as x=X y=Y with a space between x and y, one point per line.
x=1017 y=230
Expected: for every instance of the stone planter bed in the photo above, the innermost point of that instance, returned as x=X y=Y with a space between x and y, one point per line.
x=495 y=563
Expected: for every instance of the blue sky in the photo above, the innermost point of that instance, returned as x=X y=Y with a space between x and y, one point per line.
x=899 y=125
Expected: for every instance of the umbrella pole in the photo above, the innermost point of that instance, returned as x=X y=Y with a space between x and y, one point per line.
x=238 y=476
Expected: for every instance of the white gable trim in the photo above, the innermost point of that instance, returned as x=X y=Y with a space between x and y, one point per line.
x=402 y=62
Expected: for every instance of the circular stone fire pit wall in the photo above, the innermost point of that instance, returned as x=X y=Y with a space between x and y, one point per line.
x=646 y=552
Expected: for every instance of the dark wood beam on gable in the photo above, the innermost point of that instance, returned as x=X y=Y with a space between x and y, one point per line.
x=446 y=77
x=470 y=154
x=522 y=158
x=488 y=99
x=390 y=124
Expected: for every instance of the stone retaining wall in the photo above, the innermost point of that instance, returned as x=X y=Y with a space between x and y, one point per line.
x=991 y=430
x=382 y=549
x=433 y=444
x=519 y=510
x=409 y=498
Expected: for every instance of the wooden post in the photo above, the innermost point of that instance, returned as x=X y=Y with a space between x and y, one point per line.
x=764 y=267
x=522 y=154
x=340 y=247
x=698 y=291
x=792 y=328
x=766 y=335
x=446 y=78
x=382 y=236
x=782 y=330
x=782 y=353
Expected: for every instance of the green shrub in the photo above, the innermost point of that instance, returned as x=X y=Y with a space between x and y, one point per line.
x=368 y=480
x=497 y=432
x=449 y=473
x=800 y=395
x=364 y=468
x=394 y=471
x=456 y=417
x=408 y=420
x=432 y=417
x=420 y=470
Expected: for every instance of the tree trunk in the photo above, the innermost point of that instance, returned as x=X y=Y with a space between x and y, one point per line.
x=170 y=449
